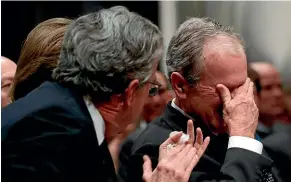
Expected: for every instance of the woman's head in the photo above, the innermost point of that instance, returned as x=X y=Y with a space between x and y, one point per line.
x=39 y=55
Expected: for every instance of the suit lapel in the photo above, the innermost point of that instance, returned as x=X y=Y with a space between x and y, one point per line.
x=178 y=122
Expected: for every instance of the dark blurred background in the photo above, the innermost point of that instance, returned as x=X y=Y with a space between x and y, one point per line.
x=265 y=26
x=19 y=18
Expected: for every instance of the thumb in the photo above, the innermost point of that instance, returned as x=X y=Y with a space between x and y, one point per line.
x=224 y=93
x=173 y=139
x=147 y=168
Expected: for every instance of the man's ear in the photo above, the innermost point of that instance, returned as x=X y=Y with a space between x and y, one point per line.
x=179 y=85
x=130 y=92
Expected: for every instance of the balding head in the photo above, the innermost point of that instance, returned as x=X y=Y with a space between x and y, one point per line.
x=271 y=94
x=263 y=68
x=8 y=69
x=201 y=54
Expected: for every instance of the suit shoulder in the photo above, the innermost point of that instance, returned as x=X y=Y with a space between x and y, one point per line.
x=155 y=134
x=48 y=107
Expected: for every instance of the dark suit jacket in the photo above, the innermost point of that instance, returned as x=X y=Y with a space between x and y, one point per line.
x=278 y=146
x=126 y=150
x=217 y=164
x=264 y=131
x=48 y=135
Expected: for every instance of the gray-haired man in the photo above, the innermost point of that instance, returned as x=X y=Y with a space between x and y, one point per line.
x=60 y=131
x=208 y=70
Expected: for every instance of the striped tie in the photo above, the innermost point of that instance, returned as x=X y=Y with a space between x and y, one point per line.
x=266 y=176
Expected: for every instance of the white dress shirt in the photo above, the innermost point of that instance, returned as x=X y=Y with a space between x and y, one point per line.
x=98 y=121
x=234 y=141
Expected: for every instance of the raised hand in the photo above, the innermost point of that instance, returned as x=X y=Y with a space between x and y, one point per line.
x=240 y=112
x=176 y=165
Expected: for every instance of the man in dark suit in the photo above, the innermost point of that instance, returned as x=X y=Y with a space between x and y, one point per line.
x=60 y=131
x=208 y=70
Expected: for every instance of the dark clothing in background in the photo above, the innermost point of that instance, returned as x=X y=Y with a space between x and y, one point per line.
x=264 y=131
x=278 y=146
x=49 y=135
x=126 y=149
x=217 y=164
x=27 y=14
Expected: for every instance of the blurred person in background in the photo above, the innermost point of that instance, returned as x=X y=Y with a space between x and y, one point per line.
x=39 y=56
x=254 y=76
x=208 y=70
x=158 y=98
x=271 y=99
x=277 y=143
x=288 y=102
x=8 y=69
x=60 y=130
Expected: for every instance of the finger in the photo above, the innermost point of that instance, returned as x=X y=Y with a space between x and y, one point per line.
x=224 y=93
x=203 y=147
x=147 y=168
x=197 y=155
x=173 y=152
x=173 y=139
x=250 y=92
x=199 y=138
x=244 y=88
x=183 y=158
x=190 y=131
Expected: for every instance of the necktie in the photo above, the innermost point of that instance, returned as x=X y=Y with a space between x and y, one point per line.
x=267 y=176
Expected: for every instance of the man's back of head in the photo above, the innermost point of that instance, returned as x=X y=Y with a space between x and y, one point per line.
x=111 y=56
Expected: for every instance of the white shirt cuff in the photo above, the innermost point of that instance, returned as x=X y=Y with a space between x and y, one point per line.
x=245 y=143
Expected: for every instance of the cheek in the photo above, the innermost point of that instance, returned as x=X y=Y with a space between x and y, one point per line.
x=141 y=98
x=265 y=95
x=213 y=101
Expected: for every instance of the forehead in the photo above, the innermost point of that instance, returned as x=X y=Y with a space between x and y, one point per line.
x=224 y=63
x=268 y=73
x=270 y=77
x=161 y=79
x=7 y=65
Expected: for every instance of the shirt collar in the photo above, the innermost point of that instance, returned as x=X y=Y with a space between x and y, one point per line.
x=184 y=113
x=97 y=119
x=180 y=110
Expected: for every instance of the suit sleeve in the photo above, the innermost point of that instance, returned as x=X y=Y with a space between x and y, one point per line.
x=240 y=165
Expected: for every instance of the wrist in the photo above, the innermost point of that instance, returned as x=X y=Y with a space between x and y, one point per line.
x=242 y=133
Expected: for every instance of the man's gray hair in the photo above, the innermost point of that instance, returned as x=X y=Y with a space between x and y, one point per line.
x=103 y=51
x=185 y=51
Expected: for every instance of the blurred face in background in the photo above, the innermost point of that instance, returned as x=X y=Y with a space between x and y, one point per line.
x=271 y=93
x=157 y=99
x=254 y=76
x=8 y=69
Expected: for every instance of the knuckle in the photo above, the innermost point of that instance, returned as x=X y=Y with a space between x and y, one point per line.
x=179 y=174
x=145 y=177
x=161 y=147
x=162 y=167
